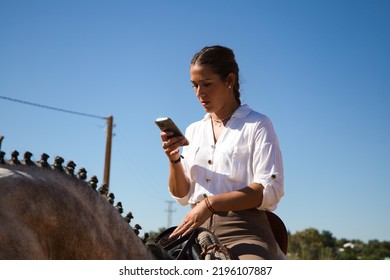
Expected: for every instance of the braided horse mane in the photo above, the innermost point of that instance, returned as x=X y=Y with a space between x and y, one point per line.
x=49 y=212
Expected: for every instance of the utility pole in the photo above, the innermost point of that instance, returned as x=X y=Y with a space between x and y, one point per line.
x=170 y=211
x=1 y=140
x=107 y=161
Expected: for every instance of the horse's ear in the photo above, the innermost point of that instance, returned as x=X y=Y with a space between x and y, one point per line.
x=279 y=230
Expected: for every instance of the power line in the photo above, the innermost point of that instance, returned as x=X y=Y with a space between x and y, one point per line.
x=52 y=108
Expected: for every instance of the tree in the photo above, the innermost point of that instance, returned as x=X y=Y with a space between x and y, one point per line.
x=375 y=250
x=310 y=244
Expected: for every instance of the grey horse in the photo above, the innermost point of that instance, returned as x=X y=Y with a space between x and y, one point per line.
x=47 y=212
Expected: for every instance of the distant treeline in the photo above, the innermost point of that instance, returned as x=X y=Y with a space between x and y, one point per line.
x=310 y=244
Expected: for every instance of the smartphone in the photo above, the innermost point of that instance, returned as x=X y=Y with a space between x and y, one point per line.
x=166 y=124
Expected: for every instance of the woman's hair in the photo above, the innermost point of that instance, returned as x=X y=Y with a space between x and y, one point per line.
x=222 y=61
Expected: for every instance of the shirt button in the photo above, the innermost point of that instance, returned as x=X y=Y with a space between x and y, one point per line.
x=210 y=162
x=208 y=180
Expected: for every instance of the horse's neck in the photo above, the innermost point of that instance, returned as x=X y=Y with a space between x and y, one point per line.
x=53 y=215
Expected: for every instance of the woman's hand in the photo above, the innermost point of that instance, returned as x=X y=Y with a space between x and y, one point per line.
x=194 y=219
x=171 y=144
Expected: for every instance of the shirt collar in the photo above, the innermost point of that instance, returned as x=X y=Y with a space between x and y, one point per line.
x=240 y=113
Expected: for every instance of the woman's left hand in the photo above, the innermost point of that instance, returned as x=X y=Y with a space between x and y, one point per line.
x=194 y=219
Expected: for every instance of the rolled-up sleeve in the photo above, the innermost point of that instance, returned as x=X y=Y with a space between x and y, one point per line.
x=183 y=201
x=268 y=166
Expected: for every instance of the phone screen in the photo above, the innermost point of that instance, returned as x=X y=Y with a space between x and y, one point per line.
x=167 y=124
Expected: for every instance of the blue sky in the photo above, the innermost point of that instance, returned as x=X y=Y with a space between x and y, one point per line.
x=318 y=69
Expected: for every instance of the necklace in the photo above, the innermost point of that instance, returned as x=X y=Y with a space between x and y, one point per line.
x=220 y=121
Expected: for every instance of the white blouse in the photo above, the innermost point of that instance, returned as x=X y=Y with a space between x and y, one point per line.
x=247 y=151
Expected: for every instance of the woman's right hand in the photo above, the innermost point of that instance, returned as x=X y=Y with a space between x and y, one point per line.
x=194 y=219
x=171 y=145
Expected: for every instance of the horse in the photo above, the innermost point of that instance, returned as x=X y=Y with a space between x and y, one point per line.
x=49 y=212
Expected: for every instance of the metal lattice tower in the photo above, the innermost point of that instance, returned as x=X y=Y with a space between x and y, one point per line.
x=170 y=211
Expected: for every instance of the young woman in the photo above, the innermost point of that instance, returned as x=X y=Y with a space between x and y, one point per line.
x=232 y=170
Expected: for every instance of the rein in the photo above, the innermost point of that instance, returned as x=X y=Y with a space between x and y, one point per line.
x=200 y=244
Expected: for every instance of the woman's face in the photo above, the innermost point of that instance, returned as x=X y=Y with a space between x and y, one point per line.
x=210 y=90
